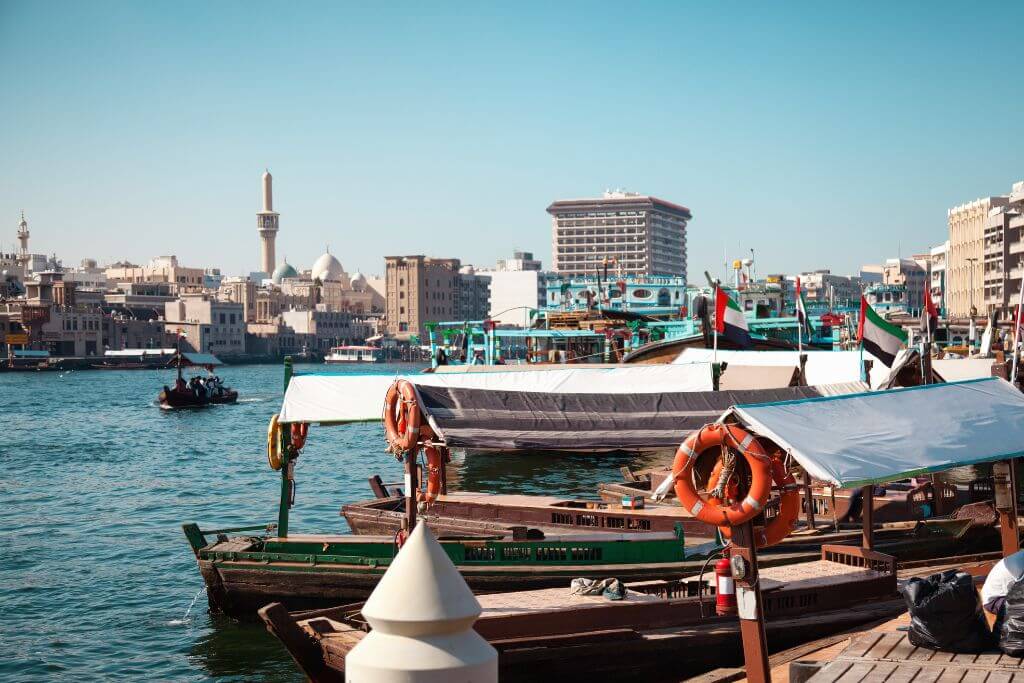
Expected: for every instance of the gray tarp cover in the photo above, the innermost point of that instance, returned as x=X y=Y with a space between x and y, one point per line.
x=483 y=419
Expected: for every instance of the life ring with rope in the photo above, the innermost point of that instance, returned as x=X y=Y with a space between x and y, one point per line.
x=402 y=417
x=713 y=509
x=437 y=458
x=274 y=443
x=782 y=524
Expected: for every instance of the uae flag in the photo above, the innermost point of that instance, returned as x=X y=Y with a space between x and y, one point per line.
x=729 y=320
x=878 y=336
x=801 y=308
x=929 y=315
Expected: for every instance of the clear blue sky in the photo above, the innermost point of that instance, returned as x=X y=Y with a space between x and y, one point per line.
x=820 y=134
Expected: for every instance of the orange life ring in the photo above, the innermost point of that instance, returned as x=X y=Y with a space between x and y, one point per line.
x=437 y=457
x=710 y=510
x=402 y=417
x=274 y=444
x=299 y=432
x=789 y=505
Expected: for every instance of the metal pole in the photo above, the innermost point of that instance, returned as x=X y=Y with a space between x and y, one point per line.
x=287 y=464
x=809 y=497
x=867 y=516
x=749 y=604
x=412 y=487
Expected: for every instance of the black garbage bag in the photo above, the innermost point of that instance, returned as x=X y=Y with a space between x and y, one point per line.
x=945 y=613
x=1010 y=625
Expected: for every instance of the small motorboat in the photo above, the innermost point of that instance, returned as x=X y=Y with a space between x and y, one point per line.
x=199 y=391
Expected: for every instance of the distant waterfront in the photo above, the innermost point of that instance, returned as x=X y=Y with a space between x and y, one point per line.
x=95 y=573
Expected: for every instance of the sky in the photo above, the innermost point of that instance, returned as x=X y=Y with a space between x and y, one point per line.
x=821 y=135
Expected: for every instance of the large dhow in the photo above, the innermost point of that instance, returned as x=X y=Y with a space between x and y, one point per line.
x=670 y=629
x=244 y=569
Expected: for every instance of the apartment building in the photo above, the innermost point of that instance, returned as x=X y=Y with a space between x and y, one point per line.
x=637 y=234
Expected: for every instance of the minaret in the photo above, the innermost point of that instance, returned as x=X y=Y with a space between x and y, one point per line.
x=23 y=239
x=266 y=225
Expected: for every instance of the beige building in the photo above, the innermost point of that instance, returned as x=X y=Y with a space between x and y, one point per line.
x=1004 y=254
x=965 y=262
x=160 y=269
x=240 y=290
x=641 y=235
x=209 y=325
x=420 y=289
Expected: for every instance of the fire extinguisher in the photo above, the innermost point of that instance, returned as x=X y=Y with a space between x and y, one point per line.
x=725 y=588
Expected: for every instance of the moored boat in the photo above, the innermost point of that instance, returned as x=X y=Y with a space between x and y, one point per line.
x=354 y=354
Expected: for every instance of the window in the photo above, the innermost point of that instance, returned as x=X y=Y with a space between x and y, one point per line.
x=232 y=318
x=222 y=316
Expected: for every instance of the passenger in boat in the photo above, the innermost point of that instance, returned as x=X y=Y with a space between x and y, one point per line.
x=1004 y=574
x=442 y=357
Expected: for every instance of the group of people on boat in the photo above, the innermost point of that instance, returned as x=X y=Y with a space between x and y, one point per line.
x=201 y=387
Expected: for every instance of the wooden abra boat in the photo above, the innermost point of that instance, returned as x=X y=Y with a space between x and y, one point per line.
x=666 y=628
x=243 y=573
x=196 y=393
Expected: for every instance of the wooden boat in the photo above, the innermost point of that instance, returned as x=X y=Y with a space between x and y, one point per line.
x=245 y=572
x=663 y=629
x=899 y=501
x=194 y=394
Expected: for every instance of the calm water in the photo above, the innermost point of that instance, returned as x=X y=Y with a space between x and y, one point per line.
x=95 y=574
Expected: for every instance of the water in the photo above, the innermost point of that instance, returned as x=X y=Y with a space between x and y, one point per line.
x=96 y=578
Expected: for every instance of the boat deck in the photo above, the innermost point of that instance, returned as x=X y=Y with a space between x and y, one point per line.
x=549 y=502
x=794 y=576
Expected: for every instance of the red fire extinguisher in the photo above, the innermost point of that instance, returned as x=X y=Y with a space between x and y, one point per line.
x=725 y=587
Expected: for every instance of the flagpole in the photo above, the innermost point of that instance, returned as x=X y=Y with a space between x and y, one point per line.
x=714 y=355
x=1016 y=332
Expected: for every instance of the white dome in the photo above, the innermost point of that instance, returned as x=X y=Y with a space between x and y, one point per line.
x=328 y=268
x=358 y=281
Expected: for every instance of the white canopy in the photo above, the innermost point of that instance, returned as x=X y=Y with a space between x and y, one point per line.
x=823 y=367
x=355 y=398
x=860 y=439
x=956 y=369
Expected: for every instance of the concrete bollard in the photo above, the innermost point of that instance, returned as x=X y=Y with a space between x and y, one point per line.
x=422 y=614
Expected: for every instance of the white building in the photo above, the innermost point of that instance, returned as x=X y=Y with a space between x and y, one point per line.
x=209 y=325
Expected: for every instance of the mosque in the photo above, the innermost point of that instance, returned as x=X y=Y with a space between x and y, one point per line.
x=326 y=285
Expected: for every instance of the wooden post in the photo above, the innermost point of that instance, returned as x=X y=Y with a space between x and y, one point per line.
x=809 y=497
x=287 y=464
x=1006 y=504
x=749 y=605
x=867 y=515
x=412 y=487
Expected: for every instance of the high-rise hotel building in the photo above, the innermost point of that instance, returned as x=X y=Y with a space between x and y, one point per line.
x=635 y=234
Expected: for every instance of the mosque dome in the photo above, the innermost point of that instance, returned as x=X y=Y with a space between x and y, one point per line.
x=285 y=270
x=358 y=282
x=328 y=268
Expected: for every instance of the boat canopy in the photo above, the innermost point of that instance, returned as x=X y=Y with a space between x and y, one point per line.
x=336 y=398
x=481 y=419
x=823 y=367
x=137 y=353
x=957 y=369
x=200 y=359
x=867 y=438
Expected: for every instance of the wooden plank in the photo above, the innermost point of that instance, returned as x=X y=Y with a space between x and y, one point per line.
x=1000 y=677
x=974 y=676
x=921 y=654
x=832 y=673
x=857 y=672
x=903 y=649
x=905 y=673
x=951 y=675
x=928 y=674
x=964 y=660
x=861 y=646
x=886 y=644
x=880 y=672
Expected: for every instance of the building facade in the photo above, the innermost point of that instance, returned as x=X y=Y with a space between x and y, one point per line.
x=319 y=329
x=420 y=289
x=965 y=263
x=1004 y=254
x=910 y=274
x=206 y=324
x=937 y=276
x=474 y=295
x=822 y=286
x=636 y=234
x=160 y=269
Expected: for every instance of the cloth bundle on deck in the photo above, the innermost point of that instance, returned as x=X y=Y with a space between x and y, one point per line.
x=945 y=613
x=611 y=588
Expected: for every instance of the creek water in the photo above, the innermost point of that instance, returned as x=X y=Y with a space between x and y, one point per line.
x=96 y=578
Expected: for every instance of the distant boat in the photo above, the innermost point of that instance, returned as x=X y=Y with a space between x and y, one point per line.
x=355 y=354
x=197 y=392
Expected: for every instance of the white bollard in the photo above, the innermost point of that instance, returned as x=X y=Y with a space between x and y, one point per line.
x=422 y=614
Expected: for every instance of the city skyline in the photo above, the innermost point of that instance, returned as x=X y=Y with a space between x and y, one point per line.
x=810 y=134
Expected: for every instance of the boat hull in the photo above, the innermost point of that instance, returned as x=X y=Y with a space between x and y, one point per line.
x=173 y=400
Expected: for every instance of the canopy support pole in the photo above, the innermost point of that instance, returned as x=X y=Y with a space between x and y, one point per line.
x=867 y=516
x=287 y=464
x=1006 y=504
x=412 y=486
x=809 y=500
x=749 y=604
